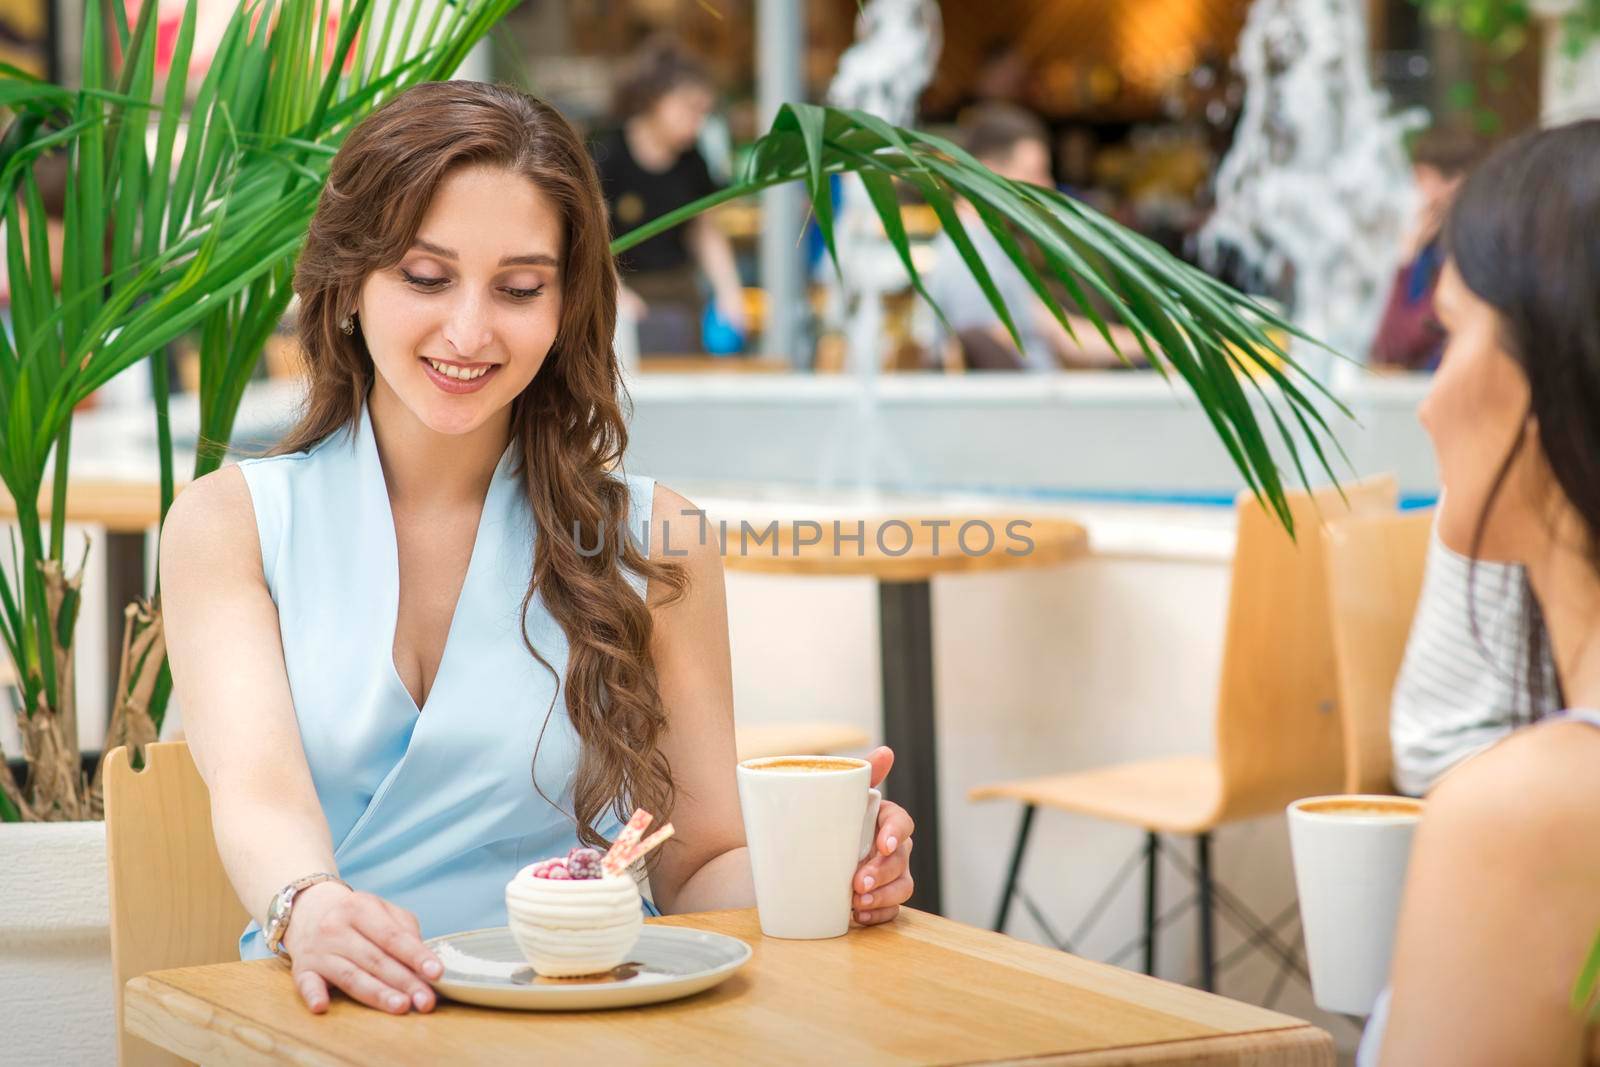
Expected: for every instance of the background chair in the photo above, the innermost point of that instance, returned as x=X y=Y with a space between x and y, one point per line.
x=171 y=902
x=1278 y=731
x=1375 y=567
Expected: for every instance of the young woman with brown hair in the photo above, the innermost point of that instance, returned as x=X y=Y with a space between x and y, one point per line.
x=416 y=648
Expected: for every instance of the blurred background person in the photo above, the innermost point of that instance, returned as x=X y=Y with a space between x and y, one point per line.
x=1409 y=337
x=1014 y=144
x=649 y=166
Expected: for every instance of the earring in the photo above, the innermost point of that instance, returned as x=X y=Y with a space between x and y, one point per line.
x=346 y=325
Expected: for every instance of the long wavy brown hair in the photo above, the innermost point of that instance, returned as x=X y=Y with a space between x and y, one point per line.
x=567 y=426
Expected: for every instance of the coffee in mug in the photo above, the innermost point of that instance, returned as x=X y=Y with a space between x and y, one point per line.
x=1350 y=860
x=1365 y=807
x=809 y=821
x=803 y=763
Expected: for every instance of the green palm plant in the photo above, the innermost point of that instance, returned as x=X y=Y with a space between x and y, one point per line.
x=213 y=248
x=1219 y=342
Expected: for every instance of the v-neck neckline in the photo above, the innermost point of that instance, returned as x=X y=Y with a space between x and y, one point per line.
x=369 y=446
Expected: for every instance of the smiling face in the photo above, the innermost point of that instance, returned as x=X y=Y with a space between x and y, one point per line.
x=460 y=326
x=1476 y=410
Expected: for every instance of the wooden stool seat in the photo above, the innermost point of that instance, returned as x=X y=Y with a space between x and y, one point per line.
x=797 y=739
x=1180 y=795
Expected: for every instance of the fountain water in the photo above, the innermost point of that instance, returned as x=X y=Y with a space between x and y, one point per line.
x=1317 y=187
x=884 y=72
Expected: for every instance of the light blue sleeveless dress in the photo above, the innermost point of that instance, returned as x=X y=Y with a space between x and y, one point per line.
x=1372 y=1036
x=434 y=811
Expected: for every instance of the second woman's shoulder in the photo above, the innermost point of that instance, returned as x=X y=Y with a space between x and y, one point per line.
x=1531 y=798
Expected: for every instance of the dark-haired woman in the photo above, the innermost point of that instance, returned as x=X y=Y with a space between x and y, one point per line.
x=1503 y=896
x=649 y=166
x=426 y=643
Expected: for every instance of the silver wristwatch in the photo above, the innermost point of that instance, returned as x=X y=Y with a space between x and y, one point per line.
x=282 y=907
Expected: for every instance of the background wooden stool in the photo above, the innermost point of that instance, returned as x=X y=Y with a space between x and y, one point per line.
x=1375 y=567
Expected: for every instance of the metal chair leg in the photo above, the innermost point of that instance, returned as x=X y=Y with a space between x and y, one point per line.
x=1152 y=856
x=1016 y=866
x=1208 y=960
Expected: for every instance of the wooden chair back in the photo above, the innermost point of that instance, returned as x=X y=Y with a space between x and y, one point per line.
x=1375 y=567
x=1278 y=732
x=171 y=902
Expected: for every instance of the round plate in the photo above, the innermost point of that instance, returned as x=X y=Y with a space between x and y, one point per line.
x=486 y=967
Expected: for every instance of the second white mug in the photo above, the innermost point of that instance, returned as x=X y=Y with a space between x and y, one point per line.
x=1350 y=860
x=809 y=821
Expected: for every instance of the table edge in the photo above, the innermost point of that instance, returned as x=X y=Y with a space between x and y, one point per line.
x=1214 y=1051
x=241 y=1041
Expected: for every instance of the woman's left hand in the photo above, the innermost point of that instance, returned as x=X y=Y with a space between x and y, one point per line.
x=883 y=881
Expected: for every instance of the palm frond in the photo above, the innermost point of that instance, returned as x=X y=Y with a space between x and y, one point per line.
x=1218 y=341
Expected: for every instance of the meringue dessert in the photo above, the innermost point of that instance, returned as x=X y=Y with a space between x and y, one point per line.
x=581 y=914
x=568 y=926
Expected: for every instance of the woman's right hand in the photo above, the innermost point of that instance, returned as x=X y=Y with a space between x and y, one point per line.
x=362 y=944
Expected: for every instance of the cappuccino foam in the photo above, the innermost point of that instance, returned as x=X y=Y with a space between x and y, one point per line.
x=805 y=764
x=1365 y=807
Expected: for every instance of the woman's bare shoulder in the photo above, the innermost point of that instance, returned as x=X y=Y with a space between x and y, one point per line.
x=1530 y=799
x=211 y=527
x=681 y=531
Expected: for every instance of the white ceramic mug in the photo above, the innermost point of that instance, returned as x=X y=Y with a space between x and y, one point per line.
x=1350 y=859
x=809 y=821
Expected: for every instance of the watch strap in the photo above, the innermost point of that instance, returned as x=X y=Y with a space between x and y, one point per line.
x=281 y=909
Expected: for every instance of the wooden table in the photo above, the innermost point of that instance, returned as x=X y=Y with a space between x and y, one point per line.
x=922 y=990
x=904 y=554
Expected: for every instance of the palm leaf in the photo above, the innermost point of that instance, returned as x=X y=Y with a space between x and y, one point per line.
x=1584 y=990
x=1214 y=339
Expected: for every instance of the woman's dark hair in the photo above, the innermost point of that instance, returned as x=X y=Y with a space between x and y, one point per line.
x=1450 y=150
x=567 y=427
x=1524 y=234
x=655 y=69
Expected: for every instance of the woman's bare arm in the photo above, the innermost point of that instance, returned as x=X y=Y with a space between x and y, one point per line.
x=229 y=676
x=705 y=866
x=1502 y=902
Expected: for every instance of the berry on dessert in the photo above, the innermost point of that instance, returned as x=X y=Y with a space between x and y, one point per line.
x=584 y=863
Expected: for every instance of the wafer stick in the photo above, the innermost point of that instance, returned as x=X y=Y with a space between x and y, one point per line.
x=615 y=860
x=649 y=843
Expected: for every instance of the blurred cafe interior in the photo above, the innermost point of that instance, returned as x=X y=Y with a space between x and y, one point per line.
x=1048 y=375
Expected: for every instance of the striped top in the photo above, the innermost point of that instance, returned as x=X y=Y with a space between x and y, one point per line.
x=1458 y=691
